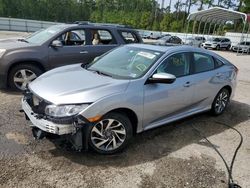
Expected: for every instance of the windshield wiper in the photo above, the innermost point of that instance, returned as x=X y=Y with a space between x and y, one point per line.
x=99 y=72
x=23 y=40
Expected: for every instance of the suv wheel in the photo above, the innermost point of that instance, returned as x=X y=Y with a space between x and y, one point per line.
x=218 y=47
x=21 y=75
x=228 y=47
x=220 y=102
x=111 y=134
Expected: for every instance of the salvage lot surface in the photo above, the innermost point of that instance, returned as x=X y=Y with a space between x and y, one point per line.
x=169 y=156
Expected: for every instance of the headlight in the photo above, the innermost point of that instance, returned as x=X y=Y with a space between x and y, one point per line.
x=2 y=51
x=64 y=110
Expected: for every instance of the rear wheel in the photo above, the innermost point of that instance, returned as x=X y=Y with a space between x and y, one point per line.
x=218 y=47
x=220 y=102
x=21 y=75
x=228 y=47
x=111 y=134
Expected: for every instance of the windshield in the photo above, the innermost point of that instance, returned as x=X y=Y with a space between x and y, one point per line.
x=45 y=34
x=125 y=62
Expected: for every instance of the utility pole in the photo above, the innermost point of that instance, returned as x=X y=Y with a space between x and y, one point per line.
x=162 y=4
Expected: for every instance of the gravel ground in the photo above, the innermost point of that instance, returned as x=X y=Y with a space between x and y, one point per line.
x=169 y=156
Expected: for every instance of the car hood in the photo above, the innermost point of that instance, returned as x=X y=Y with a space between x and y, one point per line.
x=74 y=85
x=13 y=44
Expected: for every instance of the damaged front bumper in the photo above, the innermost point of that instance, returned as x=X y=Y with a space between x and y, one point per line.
x=76 y=130
x=46 y=125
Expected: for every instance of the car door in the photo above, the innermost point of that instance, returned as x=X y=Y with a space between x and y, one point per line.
x=73 y=49
x=162 y=101
x=207 y=80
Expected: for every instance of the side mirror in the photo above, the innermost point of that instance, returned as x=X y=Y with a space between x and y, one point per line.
x=56 y=44
x=164 y=78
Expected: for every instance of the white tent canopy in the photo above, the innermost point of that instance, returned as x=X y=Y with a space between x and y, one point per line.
x=217 y=15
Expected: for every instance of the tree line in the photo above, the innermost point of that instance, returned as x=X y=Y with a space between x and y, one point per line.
x=140 y=14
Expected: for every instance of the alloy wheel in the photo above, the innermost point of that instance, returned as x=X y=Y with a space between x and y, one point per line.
x=108 y=135
x=221 y=102
x=23 y=77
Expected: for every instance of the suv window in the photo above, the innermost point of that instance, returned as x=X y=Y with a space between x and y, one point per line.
x=102 y=37
x=177 y=64
x=72 y=38
x=203 y=62
x=129 y=37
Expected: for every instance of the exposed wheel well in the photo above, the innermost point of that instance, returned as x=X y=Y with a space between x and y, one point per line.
x=130 y=114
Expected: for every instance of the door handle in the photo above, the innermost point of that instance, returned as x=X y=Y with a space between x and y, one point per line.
x=187 y=84
x=84 y=52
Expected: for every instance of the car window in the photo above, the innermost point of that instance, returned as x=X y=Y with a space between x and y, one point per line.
x=129 y=37
x=72 y=38
x=177 y=64
x=218 y=63
x=102 y=37
x=202 y=62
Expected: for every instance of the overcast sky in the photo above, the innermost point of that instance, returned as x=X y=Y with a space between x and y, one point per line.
x=193 y=8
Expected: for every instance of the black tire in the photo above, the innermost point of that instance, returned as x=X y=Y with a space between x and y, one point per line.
x=14 y=71
x=217 y=47
x=214 y=110
x=228 y=47
x=119 y=117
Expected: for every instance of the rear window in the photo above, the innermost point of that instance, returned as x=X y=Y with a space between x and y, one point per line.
x=218 y=63
x=129 y=37
x=203 y=62
x=102 y=37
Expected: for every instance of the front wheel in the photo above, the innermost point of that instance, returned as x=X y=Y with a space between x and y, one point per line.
x=220 y=102
x=111 y=134
x=218 y=47
x=21 y=75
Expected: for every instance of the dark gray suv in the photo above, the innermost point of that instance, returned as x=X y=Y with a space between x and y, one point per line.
x=23 y=60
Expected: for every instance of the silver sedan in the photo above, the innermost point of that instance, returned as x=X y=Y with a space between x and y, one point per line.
x=128 y=90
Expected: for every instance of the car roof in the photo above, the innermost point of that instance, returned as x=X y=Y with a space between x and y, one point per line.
x=99 y=25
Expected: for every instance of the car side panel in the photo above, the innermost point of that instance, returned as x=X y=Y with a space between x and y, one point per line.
x=209 y=83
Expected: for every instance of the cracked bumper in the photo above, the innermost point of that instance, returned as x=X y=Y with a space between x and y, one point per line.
x=45 y=125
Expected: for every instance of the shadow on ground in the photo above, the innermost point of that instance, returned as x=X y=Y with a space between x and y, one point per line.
x=157 y=143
